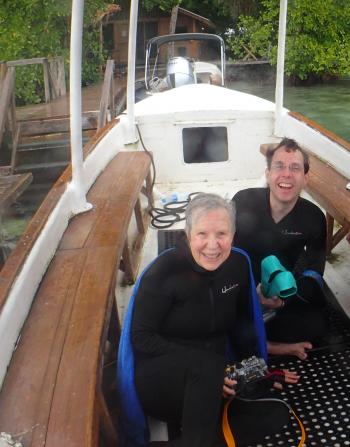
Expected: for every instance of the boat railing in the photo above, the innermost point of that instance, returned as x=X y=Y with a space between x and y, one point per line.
x=53 y=72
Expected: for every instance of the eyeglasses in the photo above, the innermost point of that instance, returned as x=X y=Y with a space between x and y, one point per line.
x=278 y=166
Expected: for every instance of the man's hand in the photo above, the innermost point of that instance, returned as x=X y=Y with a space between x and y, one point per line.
x=271 y=303
x=298 y=349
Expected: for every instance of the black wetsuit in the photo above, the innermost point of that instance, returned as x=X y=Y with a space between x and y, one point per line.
x=183 y=318
x=299 y=242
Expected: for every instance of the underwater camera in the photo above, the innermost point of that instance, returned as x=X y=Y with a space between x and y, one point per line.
x=253 y=377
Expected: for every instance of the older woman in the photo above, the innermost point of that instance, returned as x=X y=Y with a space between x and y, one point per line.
x=191 y=302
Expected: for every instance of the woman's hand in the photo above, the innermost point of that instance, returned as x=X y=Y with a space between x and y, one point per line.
x=228 y=387
x=271 y=303
x=291 y=377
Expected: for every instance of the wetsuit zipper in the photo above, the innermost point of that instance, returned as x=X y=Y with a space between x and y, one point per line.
x=211 y=299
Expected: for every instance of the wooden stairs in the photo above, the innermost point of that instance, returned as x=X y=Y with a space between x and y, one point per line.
x=43 y=146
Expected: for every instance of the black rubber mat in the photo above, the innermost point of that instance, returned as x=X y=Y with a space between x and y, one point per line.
x=322 y=397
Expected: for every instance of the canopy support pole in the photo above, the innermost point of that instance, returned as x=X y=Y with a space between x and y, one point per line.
x=131 y=134
x=280 y=67
x=77 y=184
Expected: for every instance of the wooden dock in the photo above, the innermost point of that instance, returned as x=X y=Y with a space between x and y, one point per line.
x=91 y=97
x=38 y=136
x=12 y=186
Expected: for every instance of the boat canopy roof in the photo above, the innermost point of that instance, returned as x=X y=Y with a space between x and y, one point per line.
x=160 y=40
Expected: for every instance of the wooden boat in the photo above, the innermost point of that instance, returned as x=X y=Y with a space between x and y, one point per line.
x=64 y=289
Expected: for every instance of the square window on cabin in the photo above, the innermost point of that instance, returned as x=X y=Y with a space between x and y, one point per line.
x=205 y=144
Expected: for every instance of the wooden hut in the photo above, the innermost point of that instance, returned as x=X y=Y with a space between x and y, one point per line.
x=151 y=24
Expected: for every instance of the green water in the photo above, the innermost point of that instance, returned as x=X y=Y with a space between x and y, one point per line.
x=328 y=104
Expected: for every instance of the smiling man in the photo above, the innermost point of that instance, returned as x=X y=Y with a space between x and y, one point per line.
x=277 y=221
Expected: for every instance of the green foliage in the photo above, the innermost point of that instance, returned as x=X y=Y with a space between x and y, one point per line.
x=219 y=11
x=318 y=37
x=41 y=28
x=30 y=29
x=164 y=5
x=317 y=46
x=249 y=36
x=93 y=57
x=28 y=89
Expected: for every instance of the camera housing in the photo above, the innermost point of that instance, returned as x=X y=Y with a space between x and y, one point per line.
x=245 y=372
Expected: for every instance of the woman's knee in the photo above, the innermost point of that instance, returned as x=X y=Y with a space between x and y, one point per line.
x=163 y=383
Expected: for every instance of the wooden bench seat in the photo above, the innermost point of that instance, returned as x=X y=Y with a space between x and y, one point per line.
x=328 y=188
x=52 y=395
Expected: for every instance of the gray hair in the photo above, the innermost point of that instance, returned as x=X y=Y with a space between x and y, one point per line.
x=202 y=204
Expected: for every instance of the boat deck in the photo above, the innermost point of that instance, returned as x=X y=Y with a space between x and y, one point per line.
x=321 y=398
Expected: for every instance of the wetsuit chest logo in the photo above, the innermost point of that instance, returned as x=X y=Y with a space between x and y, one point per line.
x=291 y=233
x=226 y=289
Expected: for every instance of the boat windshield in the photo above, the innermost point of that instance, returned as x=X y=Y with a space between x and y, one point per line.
x=179 y=59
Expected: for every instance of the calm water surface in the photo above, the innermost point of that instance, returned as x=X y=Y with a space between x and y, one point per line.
x=328 y=104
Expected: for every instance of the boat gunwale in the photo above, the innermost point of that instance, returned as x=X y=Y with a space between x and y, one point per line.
x=327 y=133
x=18 y=256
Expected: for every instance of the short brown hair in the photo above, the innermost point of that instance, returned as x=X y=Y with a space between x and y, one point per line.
x=290 y=146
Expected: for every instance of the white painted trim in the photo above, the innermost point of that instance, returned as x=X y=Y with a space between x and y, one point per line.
x=280 y=66
x=19 y=300
x=310 y=138
x=76 y=138
x=131 y=136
